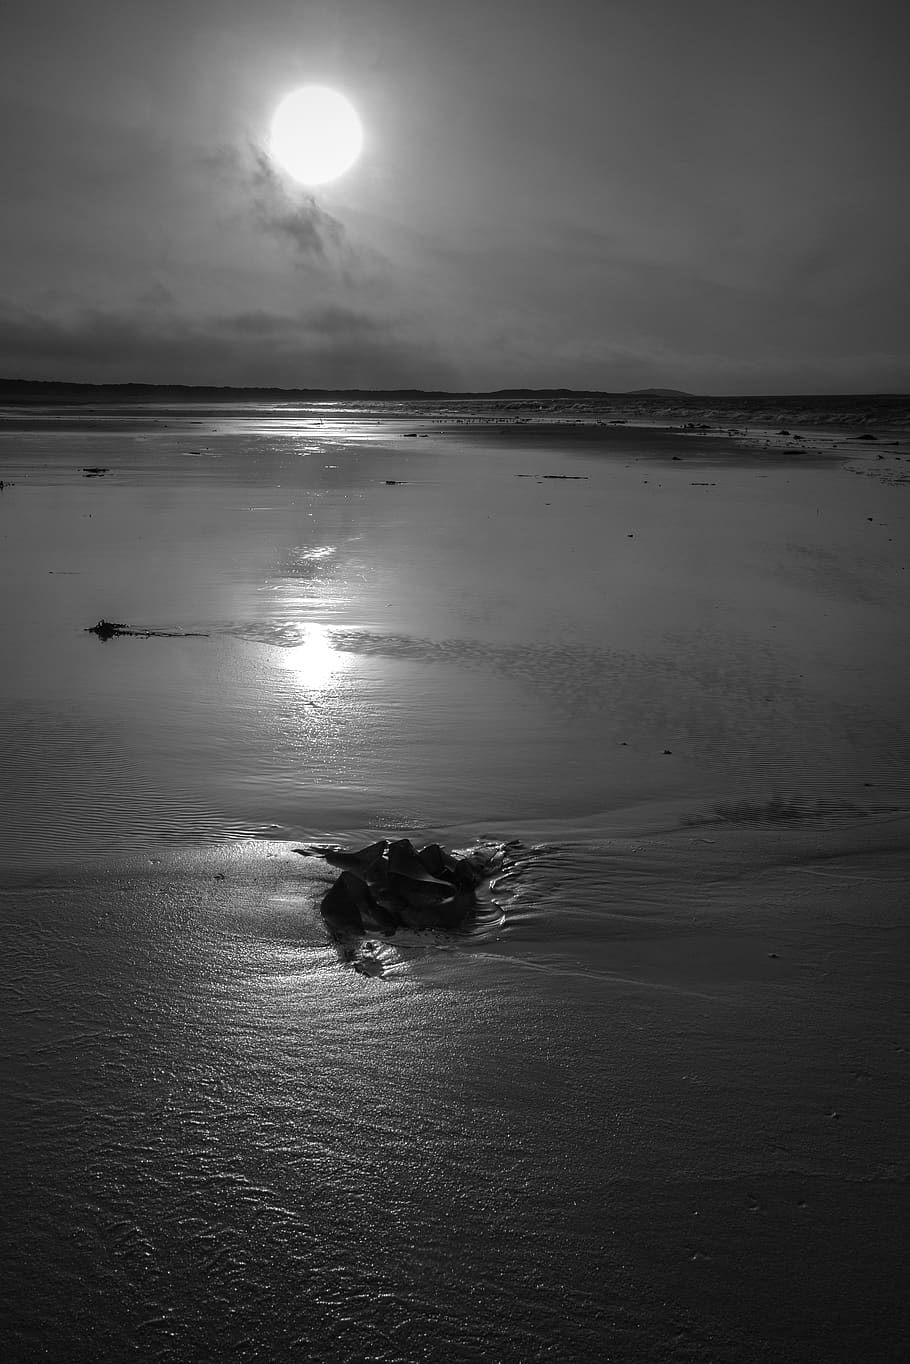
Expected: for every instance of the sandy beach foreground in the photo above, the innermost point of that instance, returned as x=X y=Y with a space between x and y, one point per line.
x=661 y=1115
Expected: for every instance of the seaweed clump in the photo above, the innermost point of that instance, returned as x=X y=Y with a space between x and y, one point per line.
x=390 y=885
x=113 y=629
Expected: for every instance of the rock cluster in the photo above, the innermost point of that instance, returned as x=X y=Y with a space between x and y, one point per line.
x=391 y=885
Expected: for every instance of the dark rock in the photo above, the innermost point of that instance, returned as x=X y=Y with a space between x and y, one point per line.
x=447 y=914
x=389 y=885
x=361 y=857
x=418 y=891
x=435 y=859
x=455 y=911
x=468 y=872
x=379 y=917
x=350 y=906
x=411 y=880
x=401 y=852
x=107 y=629
x=405 y=862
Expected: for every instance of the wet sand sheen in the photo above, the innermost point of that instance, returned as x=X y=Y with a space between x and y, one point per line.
x=674 y=1076
x=680 y=1070
x=465 y=645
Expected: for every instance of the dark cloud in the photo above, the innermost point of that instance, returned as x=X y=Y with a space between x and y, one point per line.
x=290 y=215
x=331 y=347
x=337 y=321
x=301 y=221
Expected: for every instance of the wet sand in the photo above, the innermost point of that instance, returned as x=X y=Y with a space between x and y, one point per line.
x=661 y=1115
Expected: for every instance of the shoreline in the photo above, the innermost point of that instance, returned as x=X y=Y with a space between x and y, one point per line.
x=742 y=434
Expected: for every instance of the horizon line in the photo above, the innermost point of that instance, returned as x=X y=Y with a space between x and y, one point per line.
x=655 y=391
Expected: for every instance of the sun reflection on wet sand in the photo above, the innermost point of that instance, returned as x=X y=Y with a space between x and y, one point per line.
x=313 y=660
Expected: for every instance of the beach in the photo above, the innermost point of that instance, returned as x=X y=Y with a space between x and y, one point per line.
x=660 y=1113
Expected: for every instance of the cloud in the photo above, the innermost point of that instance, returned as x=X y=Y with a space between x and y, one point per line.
x=335 y=346
x=337 y=321
x=330 y=347
x=295 y=218
x=303 y=222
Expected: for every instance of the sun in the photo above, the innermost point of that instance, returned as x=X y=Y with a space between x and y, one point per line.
x=316 y=135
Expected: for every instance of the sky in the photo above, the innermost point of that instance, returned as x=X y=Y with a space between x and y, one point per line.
x=594 y=194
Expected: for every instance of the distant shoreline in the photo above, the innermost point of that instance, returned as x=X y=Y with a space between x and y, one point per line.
x=20 y=391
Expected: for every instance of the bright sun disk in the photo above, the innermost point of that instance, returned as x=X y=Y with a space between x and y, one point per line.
x=316 y=135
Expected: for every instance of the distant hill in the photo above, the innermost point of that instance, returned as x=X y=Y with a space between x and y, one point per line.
x=50 y=391
x=658 y=393
x=59 y=391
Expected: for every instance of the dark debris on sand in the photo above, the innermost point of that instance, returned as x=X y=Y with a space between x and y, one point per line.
x=390 y=885
x=112 y=629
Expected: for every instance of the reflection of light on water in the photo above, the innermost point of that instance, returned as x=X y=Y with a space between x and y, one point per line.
x=314 y=661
